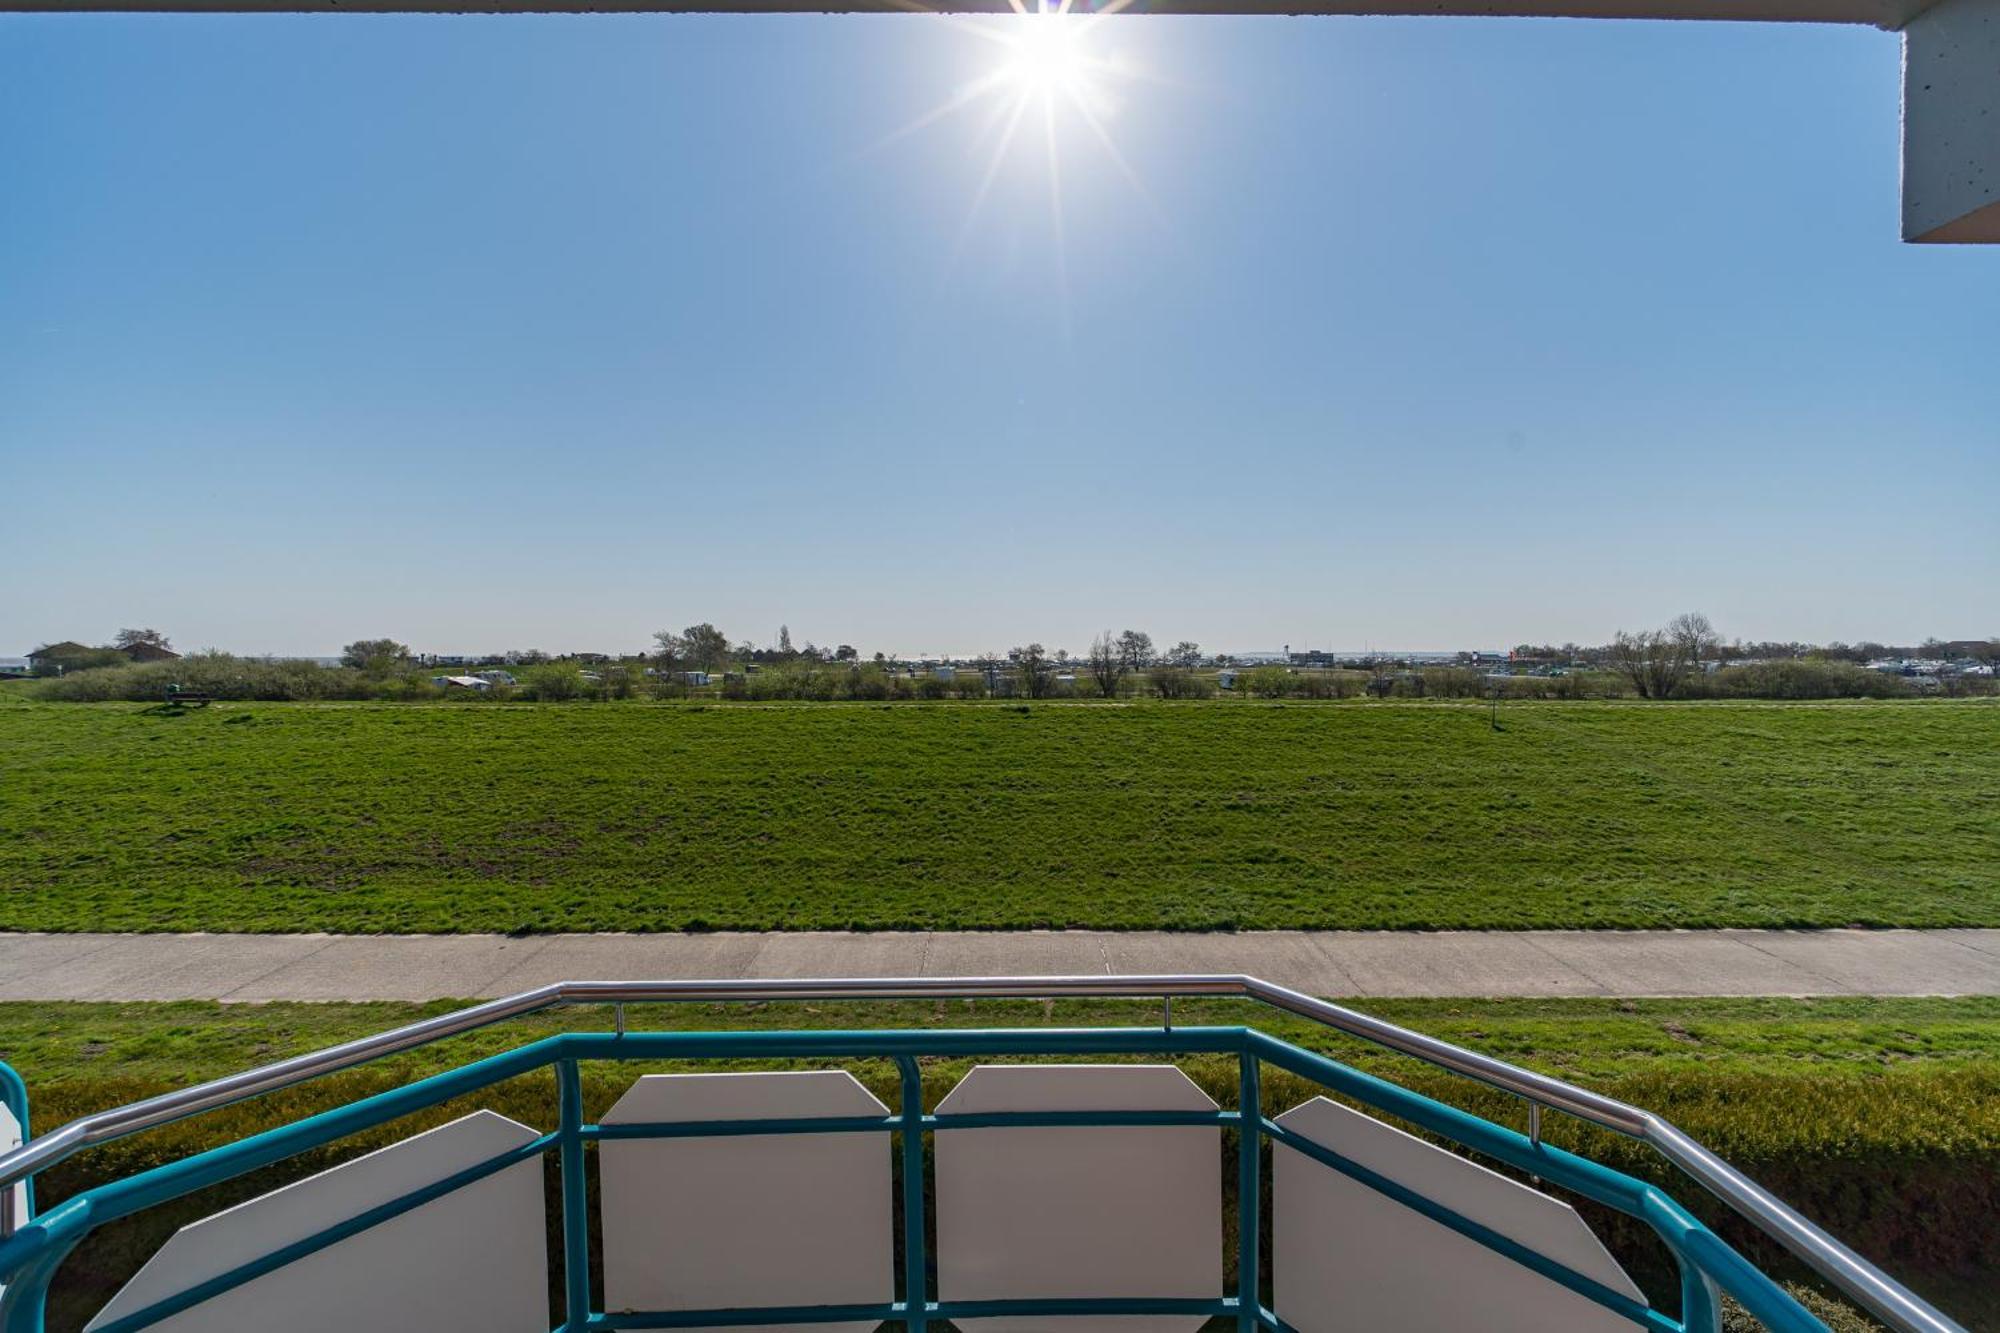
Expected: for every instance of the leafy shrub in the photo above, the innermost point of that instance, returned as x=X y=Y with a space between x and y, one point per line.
x=1803 y=679
x=1327 y=684
x=1453 y=683
x=1172 y=682
x=218 y=675
x=406 y=688
x=869 y=683
x=1571 y=685
x=553 y=683
x=1837 y=1317
x=804 y=680
x=1266 y=682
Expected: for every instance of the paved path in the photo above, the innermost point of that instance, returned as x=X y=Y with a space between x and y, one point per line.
x=1344 y=963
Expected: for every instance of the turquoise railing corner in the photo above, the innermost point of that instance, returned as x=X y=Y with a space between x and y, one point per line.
x=30 y=1258
x=14 y=1096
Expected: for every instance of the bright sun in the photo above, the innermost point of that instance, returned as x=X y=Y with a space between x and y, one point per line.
x=1050 y=76
x=1047 y=56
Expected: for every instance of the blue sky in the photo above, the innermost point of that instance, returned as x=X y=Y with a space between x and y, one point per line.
x=552 y=331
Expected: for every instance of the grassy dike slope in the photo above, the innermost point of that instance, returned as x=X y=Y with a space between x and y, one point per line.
x=635 y=816
x=1880 y=1118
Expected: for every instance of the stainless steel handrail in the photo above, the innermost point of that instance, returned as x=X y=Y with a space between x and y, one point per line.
x=1871 y=1288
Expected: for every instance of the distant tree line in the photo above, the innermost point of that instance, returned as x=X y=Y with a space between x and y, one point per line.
x=1684 y=659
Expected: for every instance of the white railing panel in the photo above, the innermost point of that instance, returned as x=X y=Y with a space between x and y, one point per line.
x=754 y=1220
x=472 y=1261
x=10 y=1139
x=1345 y=1257
x=1089 y=1211
x=15 y=1201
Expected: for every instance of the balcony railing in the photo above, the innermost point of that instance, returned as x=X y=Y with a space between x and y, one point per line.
x=1051 y=1192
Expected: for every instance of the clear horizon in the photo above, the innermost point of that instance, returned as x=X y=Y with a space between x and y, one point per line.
x=866 y=653
x=315 y=328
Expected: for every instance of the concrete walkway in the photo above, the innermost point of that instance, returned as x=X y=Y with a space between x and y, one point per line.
x=1330 y=963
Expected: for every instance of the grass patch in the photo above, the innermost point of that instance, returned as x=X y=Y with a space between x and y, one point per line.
x=1880 y=1118
x=286 y=817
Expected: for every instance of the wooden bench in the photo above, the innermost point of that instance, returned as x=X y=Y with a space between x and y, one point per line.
x=180 y=698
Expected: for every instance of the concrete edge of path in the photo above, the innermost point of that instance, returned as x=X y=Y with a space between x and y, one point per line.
x=1542 y=963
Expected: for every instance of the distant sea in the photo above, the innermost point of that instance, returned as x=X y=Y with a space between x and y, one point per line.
x=1399 y=654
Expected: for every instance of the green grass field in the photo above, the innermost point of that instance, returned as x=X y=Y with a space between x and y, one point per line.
x=633 y=816
x=1881 y=1118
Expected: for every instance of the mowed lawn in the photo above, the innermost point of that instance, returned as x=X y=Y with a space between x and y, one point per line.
x=637 y=816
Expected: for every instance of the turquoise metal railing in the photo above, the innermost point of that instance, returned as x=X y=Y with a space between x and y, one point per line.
x=31 y=1257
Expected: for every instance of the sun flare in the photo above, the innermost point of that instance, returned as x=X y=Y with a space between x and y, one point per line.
x=1047 y=56
x=1051 y=82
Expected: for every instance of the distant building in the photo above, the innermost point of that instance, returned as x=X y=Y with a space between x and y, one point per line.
x=56 y=659
x=150 y=652
x=51 y=653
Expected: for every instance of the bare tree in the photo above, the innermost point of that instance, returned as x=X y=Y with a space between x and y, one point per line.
x=1135 y=650
x=1695 y=637
x=1186 y=653
x=1657 y=661
x=1633 y=656
x=1106 y=664
x=132 y=638
x=1038 y=674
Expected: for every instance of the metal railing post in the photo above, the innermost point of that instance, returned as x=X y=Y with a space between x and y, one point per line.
x=575 y=1199
x=1249 y=1192
x=916 y=1259
x=1701 y=1312
x=24 y=1301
